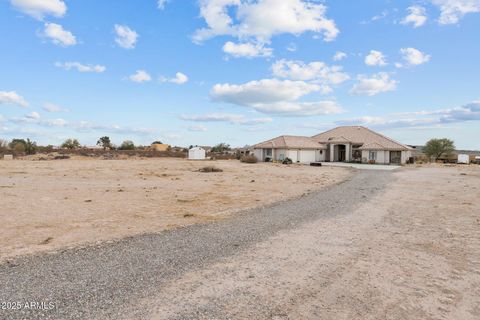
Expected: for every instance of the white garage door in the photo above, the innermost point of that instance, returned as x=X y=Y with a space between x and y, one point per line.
x=292 y=154
x=307 y=156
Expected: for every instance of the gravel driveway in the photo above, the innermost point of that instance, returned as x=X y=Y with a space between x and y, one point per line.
x=108 y=281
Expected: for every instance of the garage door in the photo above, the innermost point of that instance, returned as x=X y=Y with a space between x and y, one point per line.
x=292 y=154
x=307 y=156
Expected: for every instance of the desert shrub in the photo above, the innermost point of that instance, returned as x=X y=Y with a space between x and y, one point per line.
x=221 y=148
x=287 y=161
x=127 y=145
x=210 y=169
x=20 y=145
x=71 y=144
x=249 y=159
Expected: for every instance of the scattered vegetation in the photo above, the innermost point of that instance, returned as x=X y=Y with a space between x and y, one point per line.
x=24 y=146
x=249 y=159
x=105 y=143
x=210 y=169
x=435 y=148
x=221 y=148
x=127 y=145
x=287 y=161
x=70 y=144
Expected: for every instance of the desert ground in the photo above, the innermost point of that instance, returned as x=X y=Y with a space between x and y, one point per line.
x=47 y=205
x=411 y=252
x=395 y=245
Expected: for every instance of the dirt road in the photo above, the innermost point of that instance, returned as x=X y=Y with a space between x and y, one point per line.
x=402 y=245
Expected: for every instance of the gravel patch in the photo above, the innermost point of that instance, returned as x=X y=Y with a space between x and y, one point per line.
x=102 y=282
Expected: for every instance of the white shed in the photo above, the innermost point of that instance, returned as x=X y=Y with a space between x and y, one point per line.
x=463 y=159
x=196 y=153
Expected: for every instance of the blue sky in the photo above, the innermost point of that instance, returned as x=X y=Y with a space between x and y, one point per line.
x=237 y=71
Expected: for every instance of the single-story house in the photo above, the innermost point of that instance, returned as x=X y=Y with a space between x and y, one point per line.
x=341 y=144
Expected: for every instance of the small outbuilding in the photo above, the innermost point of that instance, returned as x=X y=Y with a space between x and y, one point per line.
x=196 y=153
x=463 y=159
x=8 y=157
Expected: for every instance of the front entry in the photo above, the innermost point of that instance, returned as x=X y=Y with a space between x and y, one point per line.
x=396 y=157
x=342 y=153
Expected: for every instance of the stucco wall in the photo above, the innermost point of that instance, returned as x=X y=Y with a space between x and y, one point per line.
x=259 y=154
x=320 y=155
x=383 y=157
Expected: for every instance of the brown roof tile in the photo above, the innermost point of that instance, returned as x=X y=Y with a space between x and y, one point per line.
x=360 y=135
x=290 y=142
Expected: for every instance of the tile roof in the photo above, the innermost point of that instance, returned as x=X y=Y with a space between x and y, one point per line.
x=290 y=142
x=360 y=135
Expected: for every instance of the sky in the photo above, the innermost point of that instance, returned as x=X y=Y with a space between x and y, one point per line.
x=202 y=72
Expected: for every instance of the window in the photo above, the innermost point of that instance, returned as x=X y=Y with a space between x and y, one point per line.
x=321 y=151
x=268 y=152
x=372 y=155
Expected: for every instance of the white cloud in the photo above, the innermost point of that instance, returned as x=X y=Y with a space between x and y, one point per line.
x=292 y=47
x=226 y=117
x=140 y=76
x=468 y=112
x=126 y=37
x=51 y=107
x=11 y=97
x=33 y=115
x=273 y=96
x=374 y=85
x=339 y=56
x=38 y=9
x=198 y=128
x=263 y=19
x=375 y=58
x=81 y=67
x=451 y=11
x=180 y=78
x=262 y=91
x=296 y=108
x=247 y=50
x=161 y=4
x=58 y=35
x=417 y=16
x=414 y=57
x=318 y=72
x=214 y=117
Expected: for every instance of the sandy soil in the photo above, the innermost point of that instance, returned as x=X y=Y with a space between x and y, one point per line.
x=412 y=252
x=47 y=205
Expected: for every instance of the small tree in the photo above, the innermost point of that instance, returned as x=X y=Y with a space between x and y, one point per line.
x=105 y=143
x=435 y=148
x=71 y=144
x=127 y=145
x=18 y=145
x=157 y=142
x=31 y=147
x=221 y=147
